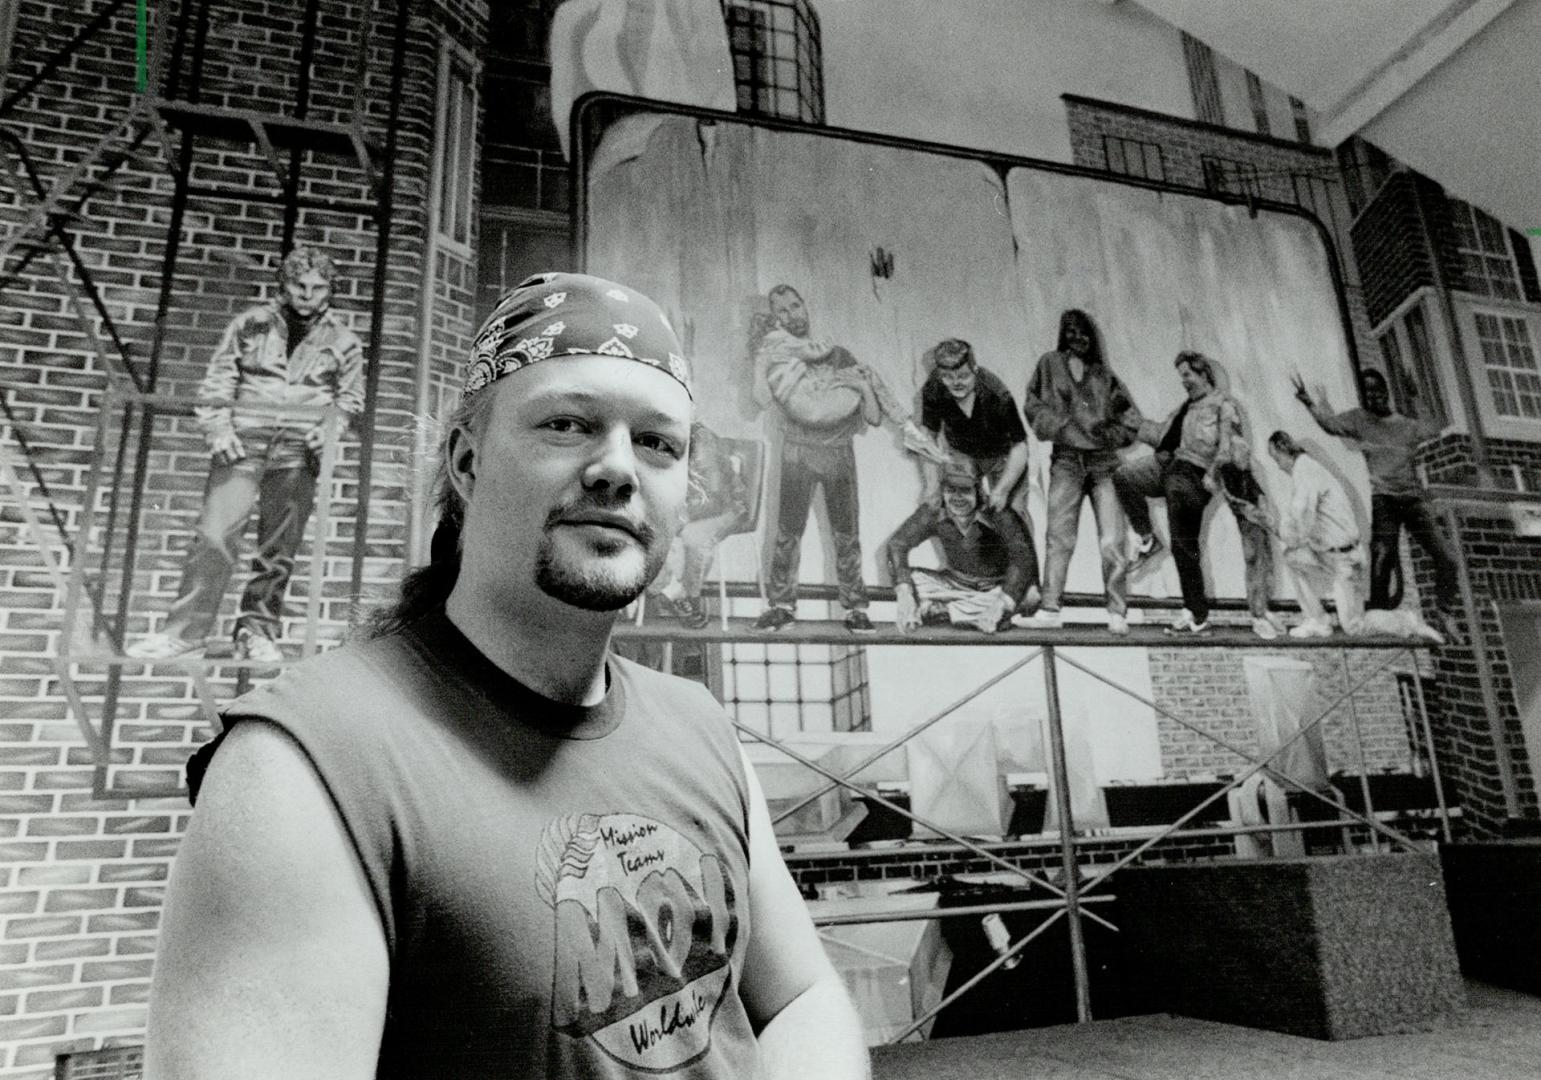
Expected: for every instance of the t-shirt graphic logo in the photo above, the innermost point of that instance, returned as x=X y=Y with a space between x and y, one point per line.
x=645 y=926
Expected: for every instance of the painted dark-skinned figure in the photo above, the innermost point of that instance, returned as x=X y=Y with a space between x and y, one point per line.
x=1389 y=442
x=974 y=418
x=1075 y=401
x=983 y=576
x=295 y=350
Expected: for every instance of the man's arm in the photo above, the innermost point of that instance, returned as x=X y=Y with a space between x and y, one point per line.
x=916 y=529
x=1296 y=527
x=1016 y=465
x=1149 y=431
x=272 y=961
x=1043 y=413
x=795 y=999
x=347 y=391
x=219 y=383
x=1321 y=411
x=350 y=377
x=1124 y=420
x=1019 y=553
x=871 y=404
x=1230 y=446
x=763 y=396
x=887 y=401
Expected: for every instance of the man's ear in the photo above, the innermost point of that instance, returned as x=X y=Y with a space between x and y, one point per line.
x=460 y=462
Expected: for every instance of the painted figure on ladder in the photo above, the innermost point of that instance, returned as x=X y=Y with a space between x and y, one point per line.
x=293 y=351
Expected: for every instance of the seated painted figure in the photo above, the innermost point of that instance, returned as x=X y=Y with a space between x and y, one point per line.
x=987 y=559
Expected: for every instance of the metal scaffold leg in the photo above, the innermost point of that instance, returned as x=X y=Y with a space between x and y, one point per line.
x=1069 y=867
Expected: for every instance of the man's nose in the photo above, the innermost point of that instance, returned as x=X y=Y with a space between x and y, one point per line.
x=613 y=467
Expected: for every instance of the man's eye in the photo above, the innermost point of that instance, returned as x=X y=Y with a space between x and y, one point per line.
x=565 y=425
x=660 y=444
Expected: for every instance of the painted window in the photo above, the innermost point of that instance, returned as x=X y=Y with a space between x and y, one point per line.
x=1258 y=103
x=1420 y=350
x=1411 y=367
x=1302 y=120
x=1203 y=80
x=455 y=168
x=778 y=58
x=1509 y=356
x=1490 y=267
x=1134 y=157
x=784 y=688
x=1231 y=176
x=1365 y=169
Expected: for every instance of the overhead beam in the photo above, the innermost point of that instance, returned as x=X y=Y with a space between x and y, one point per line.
x=1384 y=84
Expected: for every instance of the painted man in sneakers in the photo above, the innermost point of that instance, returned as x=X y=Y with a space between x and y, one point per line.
x=1397 y=500
x=1323 y=551
x=985 y=558
x=1192 y=443
x=821 y=398
x=295 y=351
x=716 y=505
x=1076 y=402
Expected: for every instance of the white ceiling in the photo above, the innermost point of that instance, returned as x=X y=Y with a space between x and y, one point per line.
x=1452 y=87
x=1318 y=50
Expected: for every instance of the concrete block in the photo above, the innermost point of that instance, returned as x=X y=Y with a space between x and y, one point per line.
x=1331 y=948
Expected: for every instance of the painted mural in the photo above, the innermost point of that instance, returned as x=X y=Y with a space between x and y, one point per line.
x=817 y=282
x=907 y=336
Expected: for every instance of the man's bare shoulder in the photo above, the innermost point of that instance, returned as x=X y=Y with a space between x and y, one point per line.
x=339 y=671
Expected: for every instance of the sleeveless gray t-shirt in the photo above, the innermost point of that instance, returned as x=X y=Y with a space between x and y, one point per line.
x=564 y=890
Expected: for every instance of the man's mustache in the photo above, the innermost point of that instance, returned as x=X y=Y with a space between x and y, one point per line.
x=578 y=509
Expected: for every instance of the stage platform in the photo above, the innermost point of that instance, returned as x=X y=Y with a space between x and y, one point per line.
x=1497 y=1038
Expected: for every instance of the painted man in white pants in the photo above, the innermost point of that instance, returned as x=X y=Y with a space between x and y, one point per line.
x=1323 y=550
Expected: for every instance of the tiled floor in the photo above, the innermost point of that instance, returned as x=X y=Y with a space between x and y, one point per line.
x=1498 y=1038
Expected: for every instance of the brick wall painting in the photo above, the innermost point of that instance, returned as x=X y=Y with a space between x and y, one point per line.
x=81 y=878
x=1501 y=566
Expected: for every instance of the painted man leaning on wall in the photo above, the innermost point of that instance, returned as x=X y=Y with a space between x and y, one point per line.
x=293 y=351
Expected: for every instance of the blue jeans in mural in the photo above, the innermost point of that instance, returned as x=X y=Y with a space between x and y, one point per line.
x=1389 y=514
x=1181 y=484
x=1256 y=542
x=805 y=468
x=277 y=477
x=1073 y=476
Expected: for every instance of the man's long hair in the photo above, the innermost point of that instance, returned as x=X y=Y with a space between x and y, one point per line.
x=426 y=589
x=1077 y=317
x=1200 y=365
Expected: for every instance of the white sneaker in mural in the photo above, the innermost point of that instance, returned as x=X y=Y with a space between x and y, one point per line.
x=162 y=647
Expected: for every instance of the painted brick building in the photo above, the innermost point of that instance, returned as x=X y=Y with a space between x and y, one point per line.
x=81 y=876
